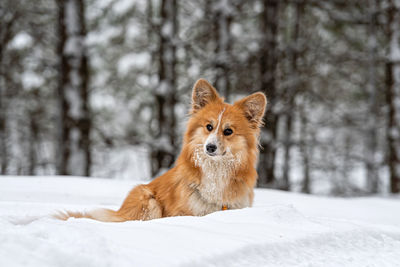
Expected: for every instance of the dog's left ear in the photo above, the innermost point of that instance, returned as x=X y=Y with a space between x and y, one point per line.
x=254 y=108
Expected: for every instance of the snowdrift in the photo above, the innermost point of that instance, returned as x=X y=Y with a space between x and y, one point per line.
x=282 y=229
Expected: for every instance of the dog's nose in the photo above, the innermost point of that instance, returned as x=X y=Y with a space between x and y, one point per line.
x=211 y=148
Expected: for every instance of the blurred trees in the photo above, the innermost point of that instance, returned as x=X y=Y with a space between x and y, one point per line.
x=27 y=79
x=328 y=68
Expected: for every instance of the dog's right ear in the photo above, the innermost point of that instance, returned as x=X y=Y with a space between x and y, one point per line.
x=203 y=93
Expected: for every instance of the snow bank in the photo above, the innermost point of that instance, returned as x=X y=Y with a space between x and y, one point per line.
x=282 y=229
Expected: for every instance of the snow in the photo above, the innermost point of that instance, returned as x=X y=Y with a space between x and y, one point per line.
x=73 y=97
x=21 y=41
x=74 y=46
x=72 y=17
x=122 y=6
x=163 y=88
x=167 y=29
x=103 y=37
x=128 y=61
x=282 y=229
x=30 y=79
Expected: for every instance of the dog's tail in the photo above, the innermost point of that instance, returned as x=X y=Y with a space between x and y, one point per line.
x=140 y=204
x=103 y=215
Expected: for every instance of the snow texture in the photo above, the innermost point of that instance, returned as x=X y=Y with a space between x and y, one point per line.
x=122 y=6
x=128 y=61
x=282 y=229
x=72 y=17
x=21 y=41
x=30 y=79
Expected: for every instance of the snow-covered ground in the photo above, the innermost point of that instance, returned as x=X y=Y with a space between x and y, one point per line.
x=282 y=229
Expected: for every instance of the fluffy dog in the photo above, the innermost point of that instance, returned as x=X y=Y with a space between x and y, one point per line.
x=216 y=169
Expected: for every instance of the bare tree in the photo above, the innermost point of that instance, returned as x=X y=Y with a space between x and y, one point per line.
x=393 y=93
x=164 y=149
x=3 y=135
x=222 y=12
x=9 y=14
x=291 y=90
x=268 y=58
x=305 y=150
x=373 y=107
x=73 y=157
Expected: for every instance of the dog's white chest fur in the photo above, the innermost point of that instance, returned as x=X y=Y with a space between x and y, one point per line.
x=216 y=177
x=208 y=196
x=214 y=181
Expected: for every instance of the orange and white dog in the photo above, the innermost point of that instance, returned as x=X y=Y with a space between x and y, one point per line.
x=216 y=169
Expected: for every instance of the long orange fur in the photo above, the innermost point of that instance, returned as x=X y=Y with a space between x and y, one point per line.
x=199 y=184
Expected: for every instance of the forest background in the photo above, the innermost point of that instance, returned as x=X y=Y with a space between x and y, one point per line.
x=102 y=87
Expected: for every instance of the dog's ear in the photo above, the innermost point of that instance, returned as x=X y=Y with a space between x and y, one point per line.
x=203 y=93
x=254 y=107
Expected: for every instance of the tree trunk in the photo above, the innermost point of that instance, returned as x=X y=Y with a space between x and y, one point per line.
x=3 y=134
x=305 y=147
x=222 y=15
x=73 y=157
x=372 y=119
x=33 y=141
x=393 y=95
x=291 y=92
x=164 y=149
x=7 y=22
x=3 y=123
x=268 y=66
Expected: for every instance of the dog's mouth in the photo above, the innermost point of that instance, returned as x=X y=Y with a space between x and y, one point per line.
x=211 y=154
x=214 y=154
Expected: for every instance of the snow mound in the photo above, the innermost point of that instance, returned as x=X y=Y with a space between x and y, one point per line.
x=282 y=229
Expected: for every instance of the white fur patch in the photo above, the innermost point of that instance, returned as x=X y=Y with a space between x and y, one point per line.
x=219 y=119
x=217 y=172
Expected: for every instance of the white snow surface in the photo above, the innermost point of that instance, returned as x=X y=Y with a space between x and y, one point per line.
x=282 y=229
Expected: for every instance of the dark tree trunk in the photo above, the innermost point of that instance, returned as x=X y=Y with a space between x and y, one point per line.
x=33 y=142
x=3 y=135
x=73 y=156
x=7 y=20
x=3 y=143
x=222 y=18
x=305 y=147
x=268 y=66
x=291 y=92
x=372 y=117
x=164 y=149
x=3 y=124
x=285 y=185
x=393 y=95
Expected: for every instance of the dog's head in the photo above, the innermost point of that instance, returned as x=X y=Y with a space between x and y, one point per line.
x=221 y=132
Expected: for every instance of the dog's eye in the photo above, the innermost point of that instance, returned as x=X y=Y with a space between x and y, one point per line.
x=228 y=131
x=209 y=127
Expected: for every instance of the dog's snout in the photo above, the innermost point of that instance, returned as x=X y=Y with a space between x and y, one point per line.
x=211 y=148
